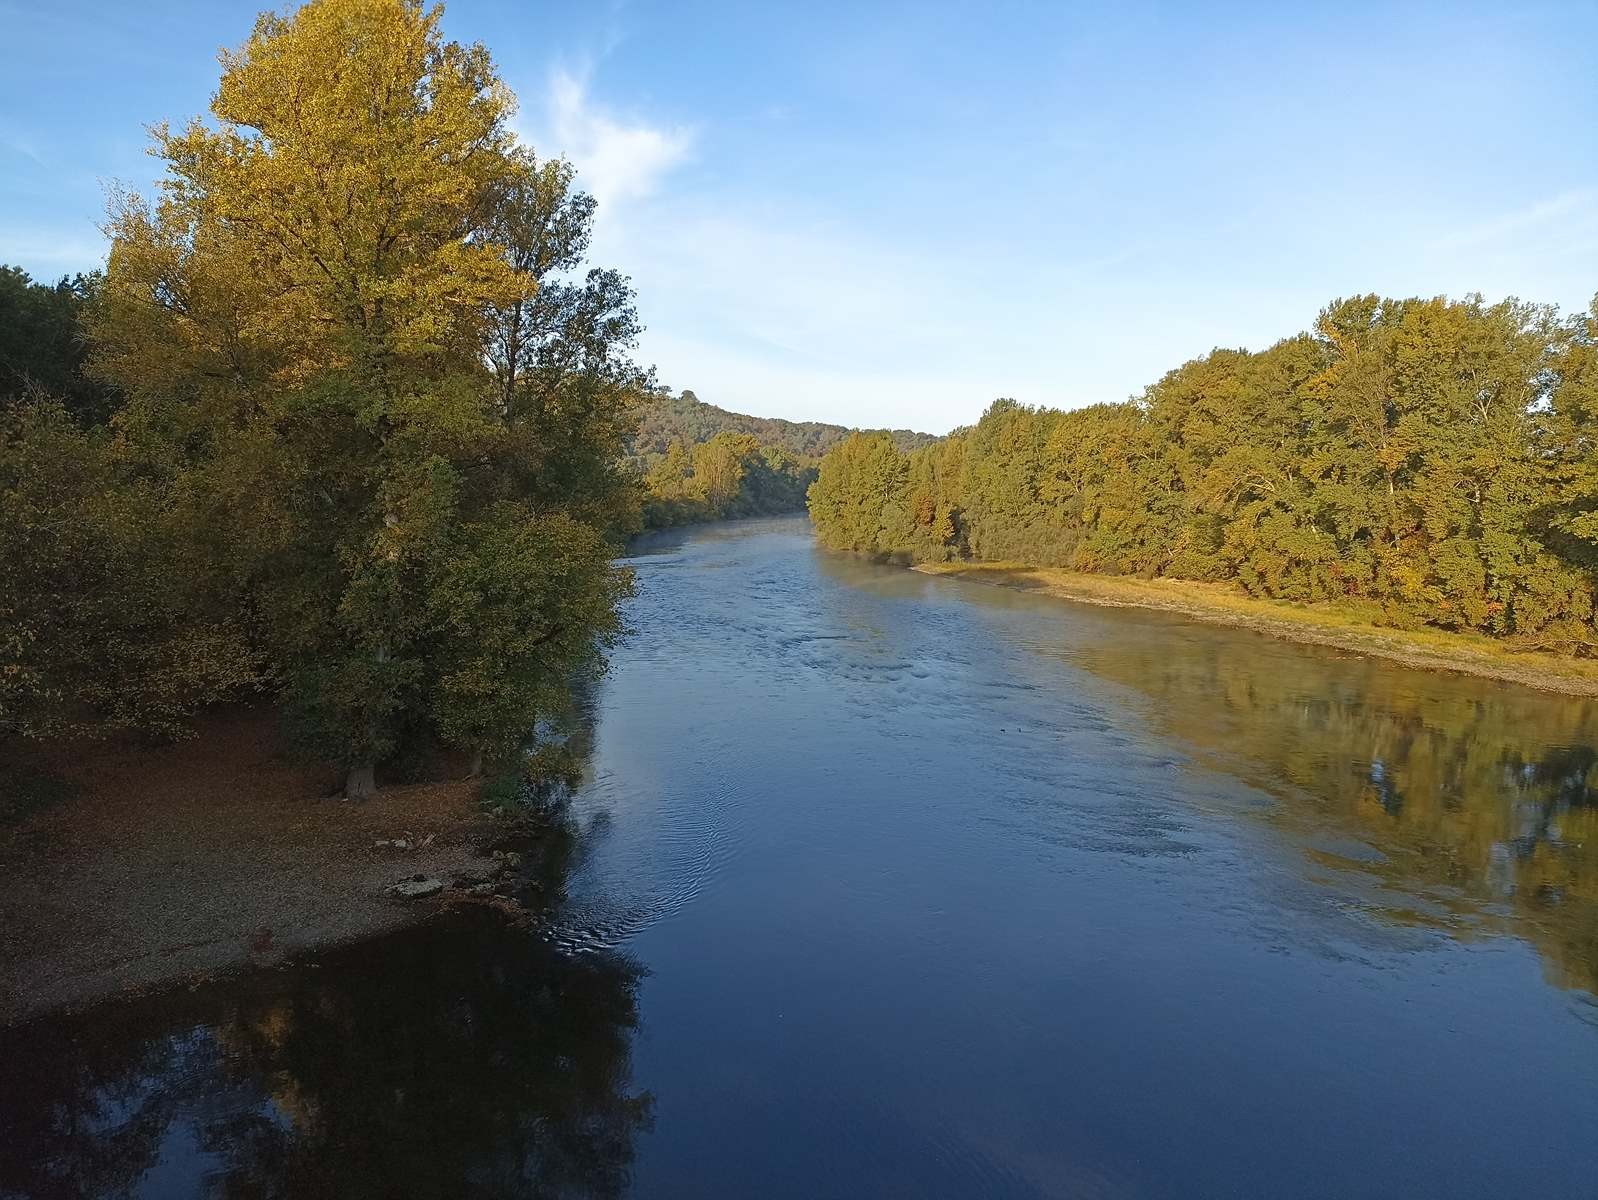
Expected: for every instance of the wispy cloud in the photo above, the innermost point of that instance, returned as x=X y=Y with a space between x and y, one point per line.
x=754 y=304
x=786 y=304
x=766 y=304
x=1570 y=214
x=618 y=159
x=22 y=147
x=774 y=308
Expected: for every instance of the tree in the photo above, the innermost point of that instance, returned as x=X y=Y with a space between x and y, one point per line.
x=105 y=625
x=1568 y=440
x=859 y=491
x=1429 y=460
x=719 y=469
x=42 y=348
x=568 y=393
x=304 y=321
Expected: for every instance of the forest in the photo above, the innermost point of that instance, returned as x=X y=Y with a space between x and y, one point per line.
x=347 y=420
x=1424 y=462
x=341 y=422
x=688 y=419
x=730 y=475
x=699 y=462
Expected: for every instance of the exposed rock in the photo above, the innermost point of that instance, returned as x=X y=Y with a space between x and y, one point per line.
x=405 y=843
x=472 y=876
x=416 y=887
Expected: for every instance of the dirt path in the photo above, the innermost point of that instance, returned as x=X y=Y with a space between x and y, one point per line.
x=124 y=867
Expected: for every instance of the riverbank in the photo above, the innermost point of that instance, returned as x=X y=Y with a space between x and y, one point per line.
x=1433 y=650
x=126 y=867
x=652 y=531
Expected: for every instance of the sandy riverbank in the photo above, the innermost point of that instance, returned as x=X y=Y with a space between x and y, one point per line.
x=1434 y=650
x=125 y=867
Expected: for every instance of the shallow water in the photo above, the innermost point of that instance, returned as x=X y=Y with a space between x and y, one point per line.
x=885 y=885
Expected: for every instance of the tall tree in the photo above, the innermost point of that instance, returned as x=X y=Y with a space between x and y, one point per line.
x=303 y=320
x=858 y=494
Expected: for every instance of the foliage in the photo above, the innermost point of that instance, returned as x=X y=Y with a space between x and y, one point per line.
x=731 y=475
x=859 y=497
x=686 y=418
x=702 y=463
x=371 y=444
x=1432 y=460
x=105 y=622
x=42 y=348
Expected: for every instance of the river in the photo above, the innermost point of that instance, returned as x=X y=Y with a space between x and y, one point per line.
x=885 y=885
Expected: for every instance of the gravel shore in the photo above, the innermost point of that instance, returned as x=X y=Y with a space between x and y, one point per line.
x=125 y=867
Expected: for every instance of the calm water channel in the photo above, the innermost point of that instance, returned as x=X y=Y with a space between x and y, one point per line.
x=882 y=885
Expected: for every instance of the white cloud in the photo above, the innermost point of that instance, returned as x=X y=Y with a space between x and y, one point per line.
x=617 y=160
x=773 y=309
x=779 y=306
x=758 y=306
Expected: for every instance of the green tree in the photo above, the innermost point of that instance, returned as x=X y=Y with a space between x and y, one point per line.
x=719 y=469
x=106 y=624
x=42 y=347
x=1428 y=460
x=304 y=323
x=860 y=495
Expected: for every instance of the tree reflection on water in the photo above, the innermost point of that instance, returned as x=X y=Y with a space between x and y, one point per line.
x=464 y=1057
x=1479 y=799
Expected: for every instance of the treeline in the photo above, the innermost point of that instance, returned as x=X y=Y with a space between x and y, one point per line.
x=1428 y=461
x=343 y=421
x=42 y=346
x=731 y=475
x=703 y=463
x=687 y=419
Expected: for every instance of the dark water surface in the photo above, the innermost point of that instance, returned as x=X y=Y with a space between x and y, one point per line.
x=883 y=885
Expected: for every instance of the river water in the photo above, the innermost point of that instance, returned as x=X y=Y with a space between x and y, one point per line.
x=884 y=885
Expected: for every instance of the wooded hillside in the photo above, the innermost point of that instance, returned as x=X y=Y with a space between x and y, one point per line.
x=699 y=462
x=688 y=419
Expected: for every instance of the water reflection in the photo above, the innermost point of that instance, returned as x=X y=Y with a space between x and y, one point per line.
x=1461 y=797
x=464 y=1058
x=946 y=891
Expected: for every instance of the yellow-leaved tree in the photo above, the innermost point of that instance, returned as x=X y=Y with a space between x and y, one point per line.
x=303 y=320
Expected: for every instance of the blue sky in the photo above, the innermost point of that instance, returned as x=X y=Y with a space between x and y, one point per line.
x=892 y=214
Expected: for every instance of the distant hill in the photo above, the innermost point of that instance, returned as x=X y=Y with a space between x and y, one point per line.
x=691 y=419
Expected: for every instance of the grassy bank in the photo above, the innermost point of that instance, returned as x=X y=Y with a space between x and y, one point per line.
x=1345 y=629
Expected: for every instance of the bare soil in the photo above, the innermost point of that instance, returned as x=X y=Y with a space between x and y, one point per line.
x=124 y=867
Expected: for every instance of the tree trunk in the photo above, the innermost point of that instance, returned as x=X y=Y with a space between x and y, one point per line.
x=476 y=768
x=361 y=782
